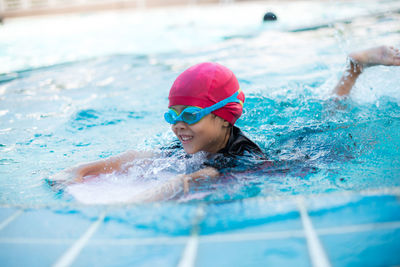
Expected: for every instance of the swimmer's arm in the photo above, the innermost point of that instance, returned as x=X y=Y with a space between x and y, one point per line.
x=111 y=164
x=348 y=79
x=177 y=185
x=358 y=61
x=108 y=165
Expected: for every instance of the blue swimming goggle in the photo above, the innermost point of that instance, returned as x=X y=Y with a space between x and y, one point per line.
x=192 y=115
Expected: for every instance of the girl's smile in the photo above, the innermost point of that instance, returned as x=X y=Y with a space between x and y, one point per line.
x=210 y=134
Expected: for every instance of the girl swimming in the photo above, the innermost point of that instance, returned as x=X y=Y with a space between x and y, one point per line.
x=204 y=103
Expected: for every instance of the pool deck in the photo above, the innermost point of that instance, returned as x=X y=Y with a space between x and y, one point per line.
x=337 y=229
x=23 y=8
x=42 y=7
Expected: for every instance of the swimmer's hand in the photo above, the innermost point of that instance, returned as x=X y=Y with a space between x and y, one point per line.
x=72 y=175
x=175 y=186
x=381 y=55
x=198 y=177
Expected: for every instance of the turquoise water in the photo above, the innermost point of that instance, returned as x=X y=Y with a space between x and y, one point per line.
x=88 y=99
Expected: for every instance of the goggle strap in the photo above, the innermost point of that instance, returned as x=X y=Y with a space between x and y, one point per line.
x=233 y=98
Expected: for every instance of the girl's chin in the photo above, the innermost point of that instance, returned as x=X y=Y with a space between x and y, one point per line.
x=189 y=149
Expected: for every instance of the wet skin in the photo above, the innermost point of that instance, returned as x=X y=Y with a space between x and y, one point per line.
x=210 y=134
x=381 y=55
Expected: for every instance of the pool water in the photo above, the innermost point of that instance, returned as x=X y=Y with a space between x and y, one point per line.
x=79 y=88
x=55 y=116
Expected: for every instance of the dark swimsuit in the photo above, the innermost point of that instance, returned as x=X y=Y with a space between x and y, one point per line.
x=239 y=145
x=239 y=153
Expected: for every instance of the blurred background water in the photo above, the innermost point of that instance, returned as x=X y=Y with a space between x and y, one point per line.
x=76 y=88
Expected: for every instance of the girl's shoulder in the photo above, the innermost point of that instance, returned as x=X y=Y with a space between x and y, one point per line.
x=239 y=145
x=240 y=154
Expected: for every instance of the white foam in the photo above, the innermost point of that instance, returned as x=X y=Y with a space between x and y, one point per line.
x=377 y=82
x=143 y=175
x=104 y=191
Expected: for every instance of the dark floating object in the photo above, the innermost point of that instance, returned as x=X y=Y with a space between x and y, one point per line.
x=269 y=16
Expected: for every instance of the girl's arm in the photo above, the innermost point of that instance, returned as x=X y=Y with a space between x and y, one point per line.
x=358 y=61
x=108 y=165
x=177 y=185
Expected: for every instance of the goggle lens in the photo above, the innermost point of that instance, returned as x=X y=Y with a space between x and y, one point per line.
x=188 y=115
x=168 y=117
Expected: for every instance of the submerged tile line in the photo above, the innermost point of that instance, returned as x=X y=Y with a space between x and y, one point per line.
x=214 y=238
x=239 y=237
x=385 y=191
x=7 y=221
x=98 y=242
x=141 y=241
x=188 y=258
x=70 y=255
x=36 y=241
x=315 y=249
x=358 y=228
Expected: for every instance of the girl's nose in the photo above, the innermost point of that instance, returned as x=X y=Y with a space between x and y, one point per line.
x=180 y=125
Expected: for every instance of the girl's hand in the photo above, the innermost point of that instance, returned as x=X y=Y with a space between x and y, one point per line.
x=185 y=180
x=198 y=177
x=77 y=173
x=381 y=55
x=72 y=175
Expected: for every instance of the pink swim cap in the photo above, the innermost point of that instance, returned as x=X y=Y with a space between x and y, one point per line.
x=205 y=84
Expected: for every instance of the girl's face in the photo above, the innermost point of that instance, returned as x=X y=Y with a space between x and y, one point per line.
x=210 y=134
